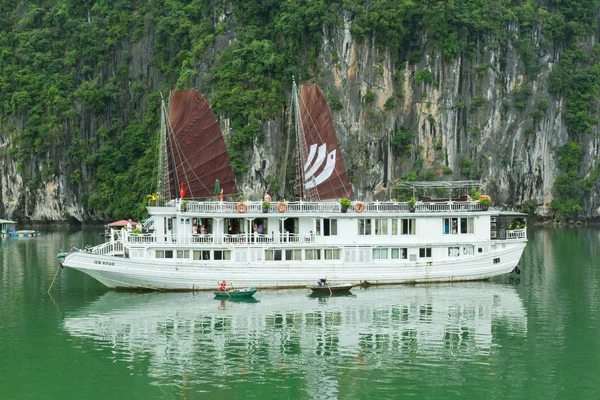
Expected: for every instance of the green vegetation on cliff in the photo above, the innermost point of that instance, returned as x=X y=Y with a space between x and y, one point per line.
x=80 y=79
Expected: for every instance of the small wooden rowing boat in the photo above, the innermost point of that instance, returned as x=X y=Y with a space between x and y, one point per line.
x=235 y=293
x=332 y=288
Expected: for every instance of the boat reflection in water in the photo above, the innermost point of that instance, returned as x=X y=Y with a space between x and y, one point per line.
x=192 y=335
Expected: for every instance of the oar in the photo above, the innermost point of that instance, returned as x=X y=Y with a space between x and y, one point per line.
x=330 y=292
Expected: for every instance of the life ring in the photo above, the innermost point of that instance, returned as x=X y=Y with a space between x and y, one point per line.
x=281 y=206
x=241 y=207
x=359 y=207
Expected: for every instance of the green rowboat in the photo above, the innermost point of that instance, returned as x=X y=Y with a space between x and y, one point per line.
x=235 y=293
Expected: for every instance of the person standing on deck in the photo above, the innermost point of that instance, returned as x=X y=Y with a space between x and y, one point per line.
x=220 y=195
x=267 y=196
x=129 y=226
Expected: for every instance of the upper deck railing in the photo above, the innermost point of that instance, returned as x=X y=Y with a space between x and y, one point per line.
x=326 y=207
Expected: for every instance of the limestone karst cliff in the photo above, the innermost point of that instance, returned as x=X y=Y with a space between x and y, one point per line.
x=507 y=94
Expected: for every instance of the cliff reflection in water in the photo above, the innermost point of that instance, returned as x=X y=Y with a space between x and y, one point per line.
x=290 y=333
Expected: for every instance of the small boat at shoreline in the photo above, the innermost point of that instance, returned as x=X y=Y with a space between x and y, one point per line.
x=243 y=293
x=9 y=229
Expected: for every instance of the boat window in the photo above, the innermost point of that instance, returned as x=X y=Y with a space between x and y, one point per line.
x=295 y=254
x=455 y=226
x=453 y=251
x=183 y=254
x=332 y=254
x=197 y=255
x=222 y=255
x=466 y=225
x=399 y=253
x=160 y=254
x=468 y=250
x=380 y=254
x=329 y=227
x=273 y=255
x=168 y=253
x=364 y=226
x=312 y=254
x=381 y=226
x=407 y=226
x=496 y=261
x=425 y=252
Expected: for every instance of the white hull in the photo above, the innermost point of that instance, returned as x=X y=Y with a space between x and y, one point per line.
x=124 y=273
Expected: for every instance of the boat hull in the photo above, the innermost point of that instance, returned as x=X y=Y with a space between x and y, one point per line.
x=125 y=273
x=331 y=289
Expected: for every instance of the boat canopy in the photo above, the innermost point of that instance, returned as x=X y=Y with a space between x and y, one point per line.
x=436 y=189
x=120 y=223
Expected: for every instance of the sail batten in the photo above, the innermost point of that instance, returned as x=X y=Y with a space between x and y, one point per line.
x=196 y=152
x=324 y=174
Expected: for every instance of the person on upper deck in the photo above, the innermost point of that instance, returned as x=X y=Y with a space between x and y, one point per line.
x=267 y=196
x=220 y=195
x=203 y=230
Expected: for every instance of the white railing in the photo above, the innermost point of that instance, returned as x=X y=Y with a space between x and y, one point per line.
x=516 y=234
x=326 y=206
x=185 y=239
x=107 y=248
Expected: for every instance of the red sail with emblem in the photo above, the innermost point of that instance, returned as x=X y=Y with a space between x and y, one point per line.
x=324 y=175
x=196 y=151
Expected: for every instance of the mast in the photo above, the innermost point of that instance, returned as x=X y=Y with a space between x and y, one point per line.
x=163 y=175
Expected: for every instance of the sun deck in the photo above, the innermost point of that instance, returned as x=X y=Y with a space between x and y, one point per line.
x=314 y=207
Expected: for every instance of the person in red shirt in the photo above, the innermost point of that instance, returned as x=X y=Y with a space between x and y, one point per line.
x=223 y=286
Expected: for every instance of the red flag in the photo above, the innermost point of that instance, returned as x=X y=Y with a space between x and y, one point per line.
x=181 y=190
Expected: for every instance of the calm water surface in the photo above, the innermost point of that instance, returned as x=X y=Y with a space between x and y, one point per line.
x=532 y=336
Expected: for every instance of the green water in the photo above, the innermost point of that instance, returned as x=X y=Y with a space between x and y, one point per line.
x=532 y=336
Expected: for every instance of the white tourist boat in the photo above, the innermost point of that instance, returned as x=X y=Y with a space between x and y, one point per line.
x=192 y=245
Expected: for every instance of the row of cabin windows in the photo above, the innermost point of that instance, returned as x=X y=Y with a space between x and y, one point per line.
x=381 y=253
x=399 y=226
x=394 y=253
x=296 y=254
x=454 y=251
x=196 y=254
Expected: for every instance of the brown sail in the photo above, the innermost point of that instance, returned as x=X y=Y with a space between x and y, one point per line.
x=196 y=149
x=324 y=174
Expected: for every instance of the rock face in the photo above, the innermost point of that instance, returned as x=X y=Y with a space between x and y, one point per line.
x=463 y=119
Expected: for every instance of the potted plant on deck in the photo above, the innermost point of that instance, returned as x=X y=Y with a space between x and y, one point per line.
x=266 y=205
x=411 y=204
x=345 y=204
x=485 y=202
